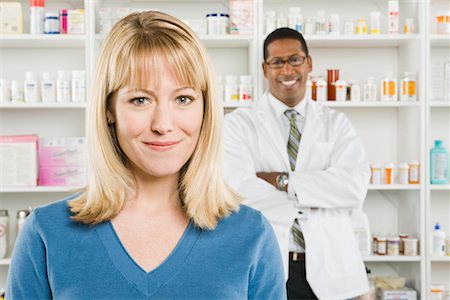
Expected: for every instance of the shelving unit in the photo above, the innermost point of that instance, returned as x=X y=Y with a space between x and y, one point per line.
x=391 y=131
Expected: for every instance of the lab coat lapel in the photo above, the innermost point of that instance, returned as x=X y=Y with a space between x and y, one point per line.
x=312 y=130
x=271 y=129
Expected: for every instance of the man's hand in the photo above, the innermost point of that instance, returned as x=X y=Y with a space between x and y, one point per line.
x=270 y=177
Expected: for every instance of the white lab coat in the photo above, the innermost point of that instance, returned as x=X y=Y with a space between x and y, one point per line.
x=330 y=180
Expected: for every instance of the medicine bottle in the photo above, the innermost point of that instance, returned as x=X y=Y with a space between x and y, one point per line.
x=51 y=23
x=231 y=89
x=37 y=16
x=4 y=229
x=63 y=26
x=5 y=90
x=332 y=77
x=48 y=88
x=381 y=245
x=63 y=84
x=389 y=173
x=436 y=292
x=409 y=26
x=309 y=26
x=375 y=24
x=78 y=86
x=393 y=245
x=16 y=91
x=355 y=92
x=403 y=173
x=349 y=27
x=245 y=88
x=321 y=89
x=341 y=90
x=308 y=92
x=334 y=24
x=370 y=90
x=295 y=19
x=361 y=26
x=212 y=23
x=414 y=172
x=393 y=16
x=31 y=88
x=408 y=88
x=410 y=246
x=321 y=24
x=389 y=88
x=402 y=237
x=376 y=173
x=375 y=236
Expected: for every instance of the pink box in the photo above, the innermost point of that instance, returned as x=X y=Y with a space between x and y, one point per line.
x=62 y=151
x=18 y=160
x=62 y=176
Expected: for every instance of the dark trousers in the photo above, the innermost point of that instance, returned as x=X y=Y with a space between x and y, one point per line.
x=297 y=286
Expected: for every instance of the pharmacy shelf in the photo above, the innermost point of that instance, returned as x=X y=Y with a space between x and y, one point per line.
x=378 y=104
x=440 y=258
x=42 y=41
x=439 y=40
x=394 y=187
x=39 y=189
x=360 y=41
x=23 y=105
x=441 y=103
x=5 y=261
x=213 y=41
x=237 y=104
x=391 y=258
x=440 y=187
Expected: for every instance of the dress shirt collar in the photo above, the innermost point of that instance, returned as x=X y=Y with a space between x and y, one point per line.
x=279 y=107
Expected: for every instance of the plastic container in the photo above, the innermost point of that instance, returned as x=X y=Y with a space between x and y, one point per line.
x=16 y=91
x=389 y=173
x=438 y=241
x=37 y=16
x=393 y=16
x=375 y=24
x=410 y=246
x=370 y=90
x=231 y=89
x=361 y=26
x=349 y=27
x=63 y=26
x=389 y=88
x=409 y=26
x=48 y=88
x=414 y=172
x=439 y=164
x=31 y=88
x=361 y=228
x=393 y=246
x=321 y=24
x=443 y=23
x=5 y=90
x=408 y=90
x=382 y=245
x=51 y=23
x=341 y=90
x=78 y=86
x=321 y=90
x=402 y=237
x=295 y=19
x=355 y=92
x=403 y=173
x=334 y=24
x=376 y=174
x=63 y=85
x=332 y=77
x=245 y=88
x=4 y=229
x=436 y=292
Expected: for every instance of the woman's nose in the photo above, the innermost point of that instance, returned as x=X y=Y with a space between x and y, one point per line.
x=162 y=119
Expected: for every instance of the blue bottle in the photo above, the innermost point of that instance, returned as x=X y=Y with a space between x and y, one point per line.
x=439 y=164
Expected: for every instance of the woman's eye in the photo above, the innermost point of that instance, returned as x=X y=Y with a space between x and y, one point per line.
x=139 y=101
x=184 y=100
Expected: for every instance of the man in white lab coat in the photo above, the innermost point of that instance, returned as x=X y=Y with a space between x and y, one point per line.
x=295 y=159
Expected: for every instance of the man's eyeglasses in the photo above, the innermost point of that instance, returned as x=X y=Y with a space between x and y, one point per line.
x=293 y=61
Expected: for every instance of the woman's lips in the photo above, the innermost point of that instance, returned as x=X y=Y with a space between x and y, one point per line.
x=162 y=146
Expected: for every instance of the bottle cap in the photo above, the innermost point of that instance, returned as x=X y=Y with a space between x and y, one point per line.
x=22 y=213
x=40 y=3
x=437 y=226
x=438 y=143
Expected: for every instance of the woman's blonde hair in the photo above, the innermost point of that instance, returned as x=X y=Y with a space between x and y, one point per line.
x=130 y=56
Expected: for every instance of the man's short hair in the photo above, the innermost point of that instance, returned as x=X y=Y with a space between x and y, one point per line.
x=284 y=33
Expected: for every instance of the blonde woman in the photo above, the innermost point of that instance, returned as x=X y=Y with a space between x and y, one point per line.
x=156 y=219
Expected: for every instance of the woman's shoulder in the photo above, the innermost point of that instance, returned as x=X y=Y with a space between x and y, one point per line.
x=249 y=220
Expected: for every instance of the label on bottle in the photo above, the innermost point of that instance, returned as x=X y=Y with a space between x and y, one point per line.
x=439 y=166
x=389 y=88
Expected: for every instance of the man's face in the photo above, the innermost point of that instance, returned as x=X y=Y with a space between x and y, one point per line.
x=288 y=83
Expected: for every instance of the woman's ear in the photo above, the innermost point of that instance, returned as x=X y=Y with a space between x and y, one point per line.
x=109 y=117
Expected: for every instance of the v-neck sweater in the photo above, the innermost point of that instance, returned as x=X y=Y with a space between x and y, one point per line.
x=56 y=257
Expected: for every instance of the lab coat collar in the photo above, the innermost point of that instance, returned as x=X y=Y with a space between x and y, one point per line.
x=279 y=107
x=313 y=127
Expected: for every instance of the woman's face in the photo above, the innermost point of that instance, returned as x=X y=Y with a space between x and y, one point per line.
x=158 y=126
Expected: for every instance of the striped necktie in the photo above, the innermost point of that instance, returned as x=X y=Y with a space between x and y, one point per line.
x=294 y=137
x=292 y=150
